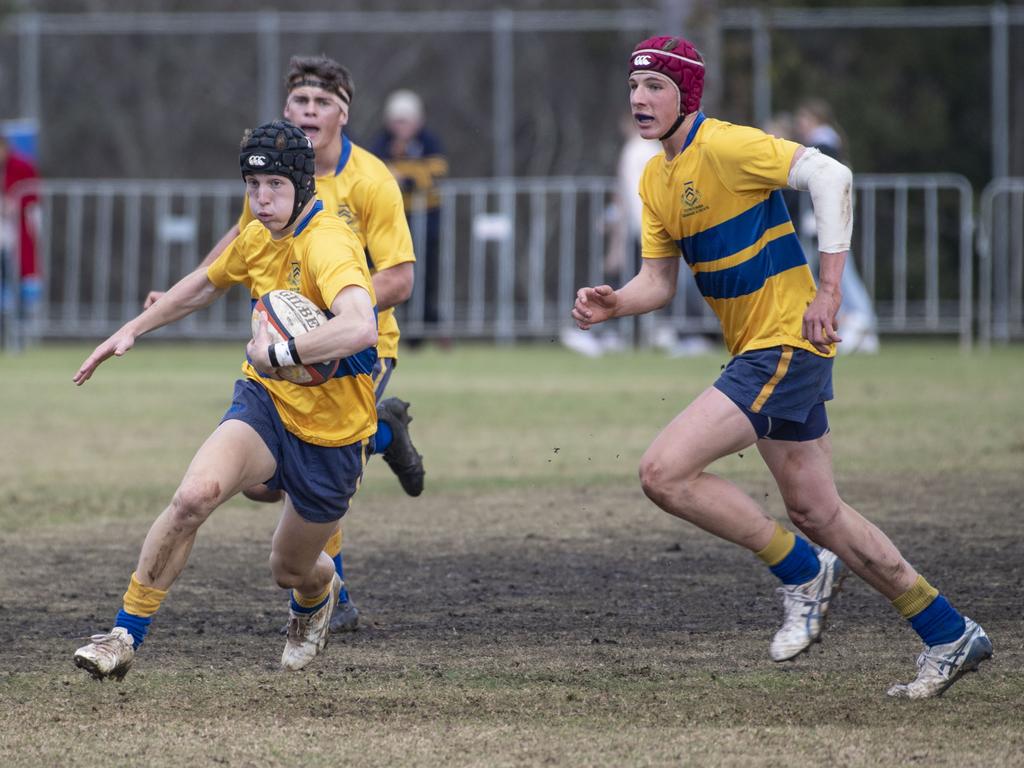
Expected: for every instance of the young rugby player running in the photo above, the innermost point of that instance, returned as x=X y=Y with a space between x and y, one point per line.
x=310 y=442
x=713 y=197
x=360 y=189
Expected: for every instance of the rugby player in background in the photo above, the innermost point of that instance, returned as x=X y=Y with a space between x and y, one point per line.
x=713 y=197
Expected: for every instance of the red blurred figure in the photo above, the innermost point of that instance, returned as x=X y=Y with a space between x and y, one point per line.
x=20 y=223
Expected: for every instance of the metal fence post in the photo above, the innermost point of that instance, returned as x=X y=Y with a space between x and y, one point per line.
x=1000 y=91
x=503 y=61
x=269 y=65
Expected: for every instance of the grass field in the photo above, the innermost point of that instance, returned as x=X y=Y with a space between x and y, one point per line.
x=531 y=608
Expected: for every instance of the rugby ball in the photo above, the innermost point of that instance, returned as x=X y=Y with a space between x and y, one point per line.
x=290 y=314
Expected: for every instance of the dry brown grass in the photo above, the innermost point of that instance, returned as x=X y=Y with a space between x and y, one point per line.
x=535 y=614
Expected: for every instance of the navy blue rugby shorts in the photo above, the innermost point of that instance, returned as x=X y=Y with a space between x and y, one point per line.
x=781 y=390
x=320 y=481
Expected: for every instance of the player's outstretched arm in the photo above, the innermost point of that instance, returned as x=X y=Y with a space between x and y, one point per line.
x=211 y=257
x=192 y=292
x=652 y=288
x=115 y=346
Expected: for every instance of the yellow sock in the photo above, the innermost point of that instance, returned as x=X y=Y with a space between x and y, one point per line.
x=333 y=545
x=782 y=544
x=141 y=600
x=311 y=602
x=915 y=599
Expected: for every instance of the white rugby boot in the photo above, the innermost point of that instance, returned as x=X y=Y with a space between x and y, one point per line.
x=108 y=655
x=939 y=666
x=805 y=607
x=308 y=632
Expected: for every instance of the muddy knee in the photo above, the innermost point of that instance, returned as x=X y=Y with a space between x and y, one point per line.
x=653 y=478
x=813 y=520
x=662 y=483
x=193 y=502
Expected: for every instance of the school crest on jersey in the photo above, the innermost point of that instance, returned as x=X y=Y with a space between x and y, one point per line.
x=294 y=277
x=348 y=216
x=691 y=200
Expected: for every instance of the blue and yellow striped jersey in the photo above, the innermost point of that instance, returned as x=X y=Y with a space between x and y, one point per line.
x=366 y=196
x=719 y=204
x=320 y=258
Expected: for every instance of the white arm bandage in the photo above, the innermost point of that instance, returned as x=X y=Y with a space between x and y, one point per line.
x=830 y=184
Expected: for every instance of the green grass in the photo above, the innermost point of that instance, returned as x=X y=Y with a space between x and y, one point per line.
x=532 y=608
x=497 y=418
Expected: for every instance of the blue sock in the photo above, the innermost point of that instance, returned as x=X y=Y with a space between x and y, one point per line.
x=799 y=566
x=137 y=626
x=383 y=438
x=312 y=609
x=939 y=623
x=339 y=569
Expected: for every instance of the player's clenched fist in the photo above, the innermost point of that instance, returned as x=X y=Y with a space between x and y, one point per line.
x=594 y=305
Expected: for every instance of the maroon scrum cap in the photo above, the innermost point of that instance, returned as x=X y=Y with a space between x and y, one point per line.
x=678 y=61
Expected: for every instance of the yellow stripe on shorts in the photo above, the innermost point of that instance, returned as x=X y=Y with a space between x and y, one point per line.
x=364 y=454
x=381 y=375
x=780 y=371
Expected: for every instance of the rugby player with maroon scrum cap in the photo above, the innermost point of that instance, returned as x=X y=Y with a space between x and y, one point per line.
x=713 y=199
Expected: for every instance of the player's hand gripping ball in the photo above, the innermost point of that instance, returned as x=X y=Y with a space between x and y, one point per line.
x=290 y=314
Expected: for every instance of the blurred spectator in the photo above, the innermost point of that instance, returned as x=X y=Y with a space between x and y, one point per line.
x=623 y=258
x=417 y=159
x=19 y=228
x=816 y=127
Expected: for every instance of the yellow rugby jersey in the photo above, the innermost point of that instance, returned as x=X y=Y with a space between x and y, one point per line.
x=719 y=204
x=320 y=258
x=366 y=196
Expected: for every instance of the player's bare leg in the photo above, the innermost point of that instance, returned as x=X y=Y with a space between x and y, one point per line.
x=803 y=472
x=346 y=615
x=263 y=494
x=299 y=563
x=233 y=457
x=954 y=644
x=672 y=474
x=673 y=477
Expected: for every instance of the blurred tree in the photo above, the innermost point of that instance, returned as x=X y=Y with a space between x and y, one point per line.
x=174 y=105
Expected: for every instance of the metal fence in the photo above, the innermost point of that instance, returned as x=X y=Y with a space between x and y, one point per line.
x=1001 y=261
x=914 y=250
x=511 y=255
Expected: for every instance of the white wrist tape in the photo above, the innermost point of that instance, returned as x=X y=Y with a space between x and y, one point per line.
x=283 y=354
x=831 y=186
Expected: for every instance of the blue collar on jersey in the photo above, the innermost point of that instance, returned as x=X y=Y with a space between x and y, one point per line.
x=346 y=152
x=693 y=131
x=317 y=207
